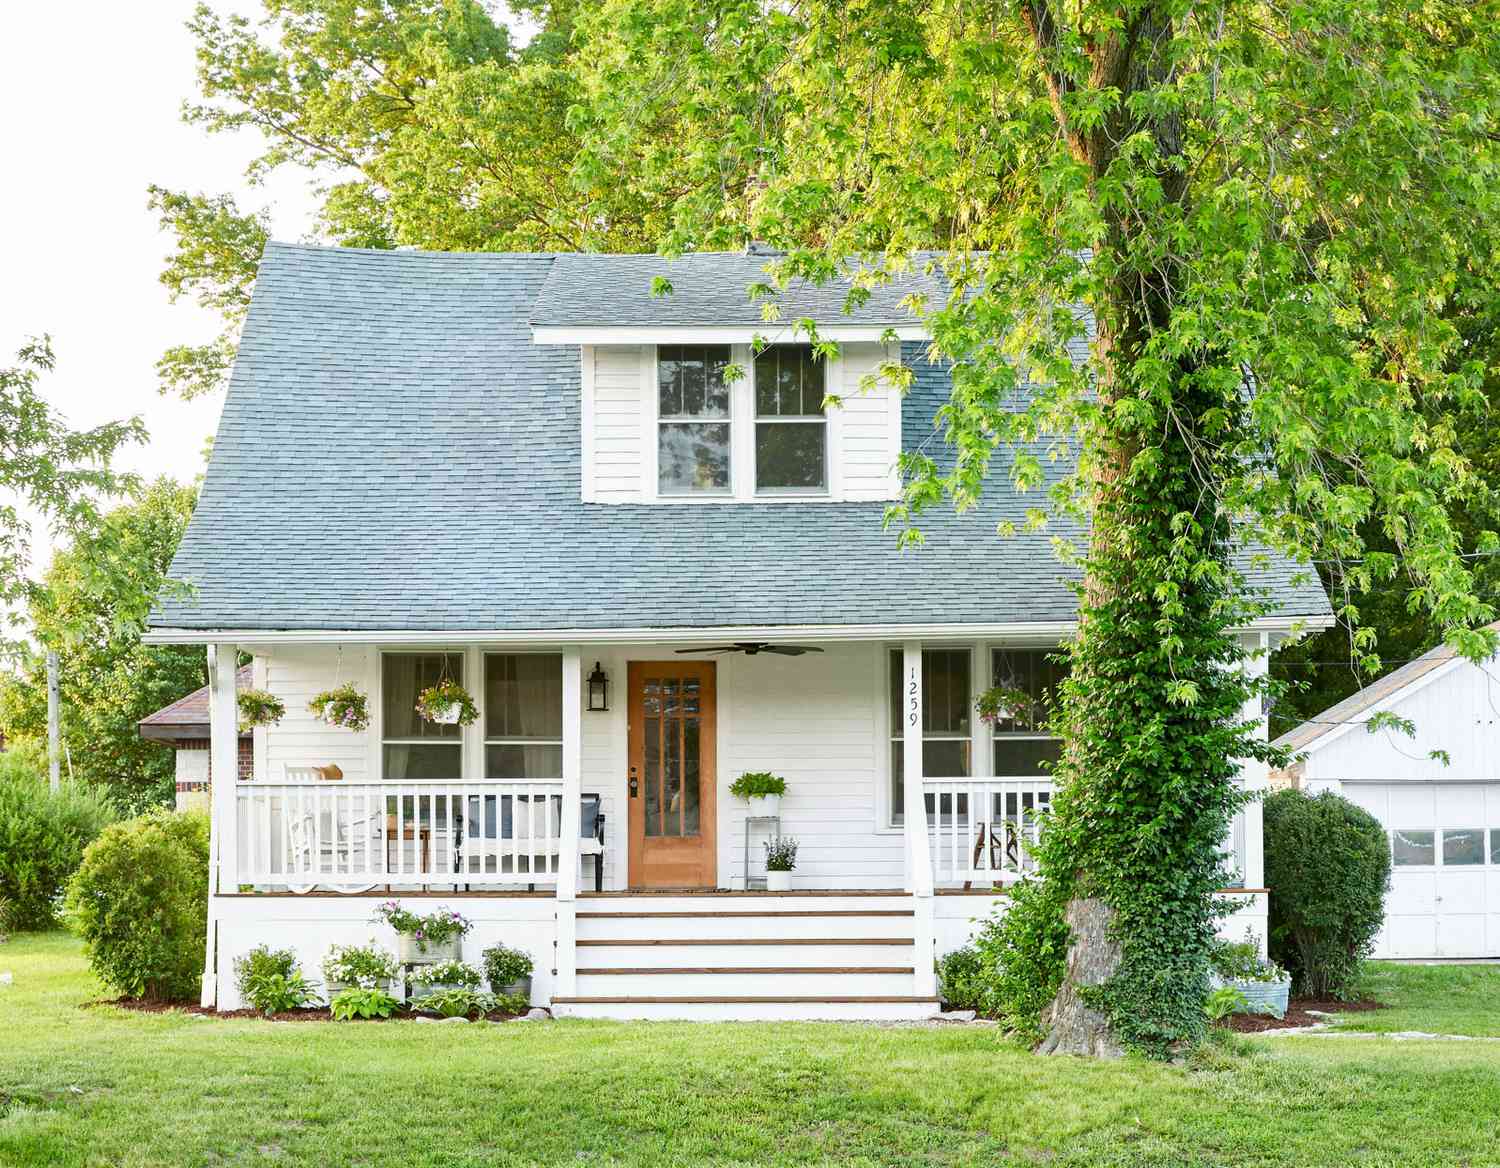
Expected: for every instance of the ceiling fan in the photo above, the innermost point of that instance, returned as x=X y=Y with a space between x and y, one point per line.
x=751 y=648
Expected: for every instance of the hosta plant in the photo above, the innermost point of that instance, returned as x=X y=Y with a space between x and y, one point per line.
x=362 y=1003
x=458 y=1003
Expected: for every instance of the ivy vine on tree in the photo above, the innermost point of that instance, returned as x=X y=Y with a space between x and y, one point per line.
x=1262 y=215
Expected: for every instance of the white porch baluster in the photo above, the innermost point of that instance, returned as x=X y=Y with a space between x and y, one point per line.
x=919 y=859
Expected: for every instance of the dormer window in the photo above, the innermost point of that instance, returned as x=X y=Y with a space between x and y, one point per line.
x=693 y=420
x=791 y=429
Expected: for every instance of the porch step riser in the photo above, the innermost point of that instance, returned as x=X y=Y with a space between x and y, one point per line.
x=757 y=956
x=678 y=984
x=804 y=1011
x=741 y=928
x=759 y=903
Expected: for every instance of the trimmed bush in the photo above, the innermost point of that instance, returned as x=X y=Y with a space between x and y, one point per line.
x=139 y=901
x=1328 y=865
x=961 y=979
x=42 y=839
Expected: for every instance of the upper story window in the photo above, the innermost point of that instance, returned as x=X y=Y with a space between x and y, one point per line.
x=693 y=420
x=791 y=429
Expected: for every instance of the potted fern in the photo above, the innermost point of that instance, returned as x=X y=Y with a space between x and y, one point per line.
x=781 y=860
x=447 y=704
x=762 y=790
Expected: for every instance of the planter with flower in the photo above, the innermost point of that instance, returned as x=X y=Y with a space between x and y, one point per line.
x=441 y=977
x=781 y=860
x=1264 y=985
x=259 y=708
x=343 y=706
x=358 y=967
x=508 y=971
x=448 y=704
x=1002 y=703
x=425 y=940
x=762 y=790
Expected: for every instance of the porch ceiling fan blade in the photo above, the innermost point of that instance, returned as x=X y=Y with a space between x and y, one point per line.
x=709 y=649
x=791 y=650
x=752 y=647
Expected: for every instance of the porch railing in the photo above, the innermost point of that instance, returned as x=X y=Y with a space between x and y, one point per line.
x=981 y=830
x=356 y=836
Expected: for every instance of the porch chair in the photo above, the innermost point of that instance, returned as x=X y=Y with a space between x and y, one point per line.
x=307 y=848
x=496 y=817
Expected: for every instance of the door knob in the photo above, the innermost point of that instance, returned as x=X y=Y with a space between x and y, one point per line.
x=635 y=784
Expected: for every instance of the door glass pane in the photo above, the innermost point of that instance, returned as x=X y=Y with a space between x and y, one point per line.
x=789 y=456
x=671 y=750
x=1413 y=848
x=690 y=779
x=651 y=760
x=693 y=456
x=421 y=760
x=1463 y=846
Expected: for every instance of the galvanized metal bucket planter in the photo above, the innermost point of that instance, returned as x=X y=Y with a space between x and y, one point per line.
x=1261 y=997
x=410 y=952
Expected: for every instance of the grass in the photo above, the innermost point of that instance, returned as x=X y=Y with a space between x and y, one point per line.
x=1437 y=999
x=101 y=1086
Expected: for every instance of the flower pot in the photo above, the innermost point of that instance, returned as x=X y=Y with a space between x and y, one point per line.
x=522 y=986
x=778 y=881
x=765 y=805
x=410 y=952
x=418 y=992
x=448 y=715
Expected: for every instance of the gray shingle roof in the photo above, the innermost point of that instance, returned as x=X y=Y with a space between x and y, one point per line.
x=708 y=289
x=396 y=453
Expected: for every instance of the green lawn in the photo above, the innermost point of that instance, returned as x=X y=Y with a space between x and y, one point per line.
x=1436 y=999
x=106 y=1087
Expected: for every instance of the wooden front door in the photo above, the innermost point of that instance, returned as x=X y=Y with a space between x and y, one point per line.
x=672 y=779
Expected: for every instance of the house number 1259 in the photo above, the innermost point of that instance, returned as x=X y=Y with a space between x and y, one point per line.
x=914 y=714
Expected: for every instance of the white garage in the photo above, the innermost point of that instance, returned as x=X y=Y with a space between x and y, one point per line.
x=1442 y=819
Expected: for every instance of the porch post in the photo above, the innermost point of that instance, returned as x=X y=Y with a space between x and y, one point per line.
x=572 y=794
x=919 y=861
x=1256 y=779
x=223 y=740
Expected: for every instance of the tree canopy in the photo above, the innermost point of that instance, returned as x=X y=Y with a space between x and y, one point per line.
x=1269 y=219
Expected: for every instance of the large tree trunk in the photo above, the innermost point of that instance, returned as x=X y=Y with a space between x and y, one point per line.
x=1073 y=1026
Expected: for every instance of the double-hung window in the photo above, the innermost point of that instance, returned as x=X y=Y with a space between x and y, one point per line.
x=693 y=420
x=947 y=710
x=1023 y=746
x=412 y=747
x=791 y=428
x=522 y=716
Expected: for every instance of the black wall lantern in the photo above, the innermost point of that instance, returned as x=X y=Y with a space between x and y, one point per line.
x=598 y=689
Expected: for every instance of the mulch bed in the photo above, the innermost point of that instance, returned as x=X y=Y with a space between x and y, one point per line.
x=311 y=1014
x=1298 y=1014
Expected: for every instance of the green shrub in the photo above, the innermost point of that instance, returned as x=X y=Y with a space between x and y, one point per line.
x=139 y=901
x=42 y=838
x=457 y=1003
x=1023 y=952
x=961 y=979
x=1328 y=865
x=503 y=967
x=270 y=981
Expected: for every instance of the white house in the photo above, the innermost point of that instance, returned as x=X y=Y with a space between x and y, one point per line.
x=527 y=474
x=1436 y=793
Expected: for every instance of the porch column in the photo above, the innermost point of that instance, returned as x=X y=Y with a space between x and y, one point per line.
x=223 y=844
x=918 y=858
x=1256 y=779
x=572 y=794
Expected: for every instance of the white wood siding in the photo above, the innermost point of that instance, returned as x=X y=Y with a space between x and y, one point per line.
x=615 y=437
x=868 y=428
x=295 y=674
x=618 y=465
x=1457 y=711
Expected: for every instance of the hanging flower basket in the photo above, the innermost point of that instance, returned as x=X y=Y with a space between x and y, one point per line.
x=1002 y=702
x=448 y=704
x=342 y=706
x=259 y=708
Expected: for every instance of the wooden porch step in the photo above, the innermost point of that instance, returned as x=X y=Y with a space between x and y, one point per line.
x=666 y=970
x=749 y=941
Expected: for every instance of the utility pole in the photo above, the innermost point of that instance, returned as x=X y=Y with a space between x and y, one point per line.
x=54 y=755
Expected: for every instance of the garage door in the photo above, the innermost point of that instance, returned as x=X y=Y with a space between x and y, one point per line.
x=1444 y=899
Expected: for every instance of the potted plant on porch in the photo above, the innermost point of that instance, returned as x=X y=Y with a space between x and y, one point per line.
x=762 y=790
x=781 y=859
x=424 y=940
x=259 y=707
x=447 y=703
x=343 y=705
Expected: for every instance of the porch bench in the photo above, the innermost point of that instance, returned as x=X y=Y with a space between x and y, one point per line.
x=496 y=821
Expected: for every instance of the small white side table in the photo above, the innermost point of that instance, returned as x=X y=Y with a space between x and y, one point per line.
x=773 y=823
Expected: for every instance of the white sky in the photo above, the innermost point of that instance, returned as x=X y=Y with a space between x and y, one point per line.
x=91 y=94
